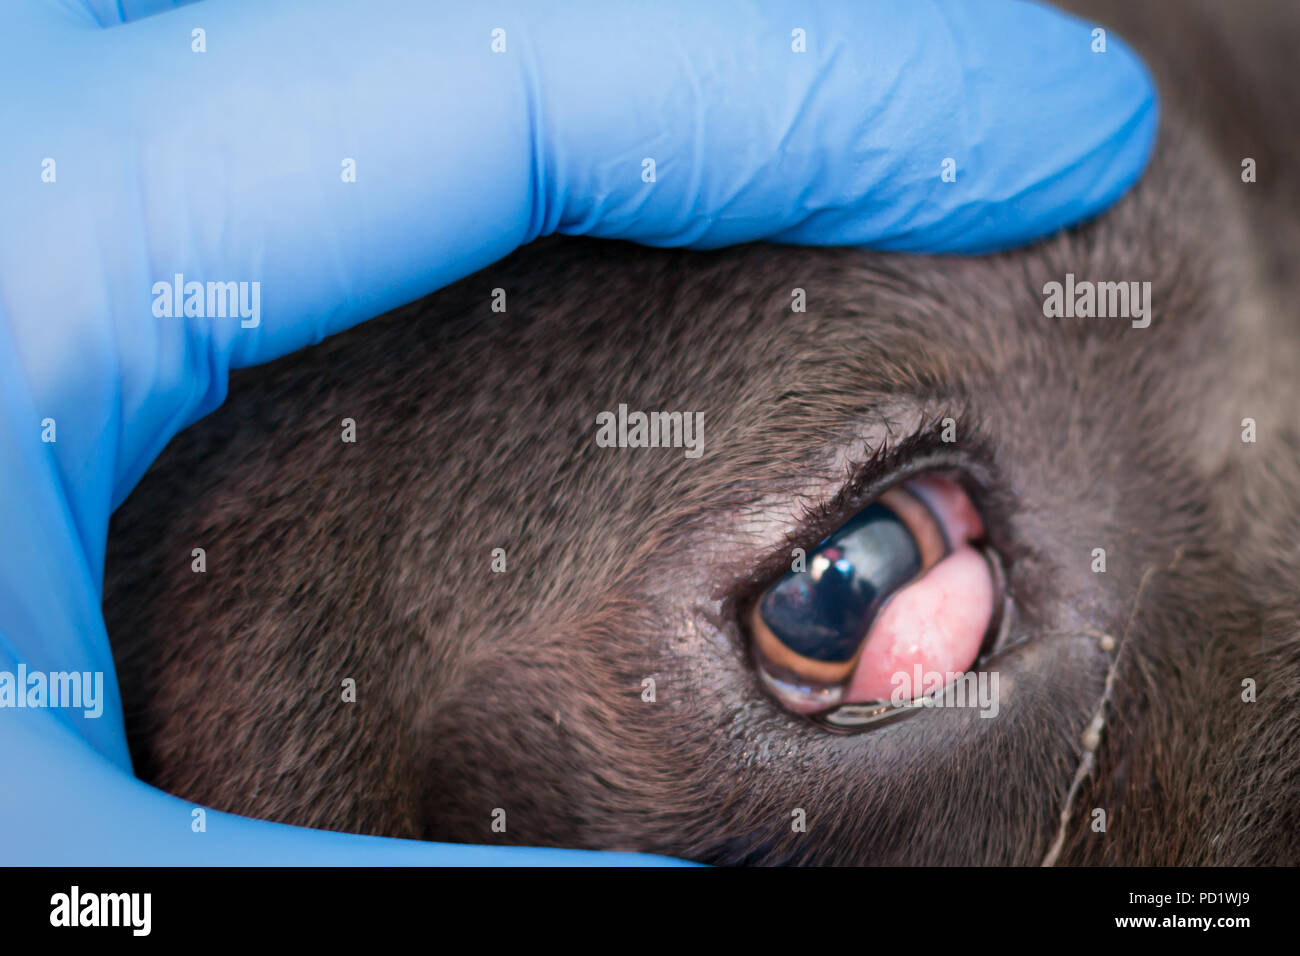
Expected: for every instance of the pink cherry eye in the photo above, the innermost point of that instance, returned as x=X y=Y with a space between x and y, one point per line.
x=903 y=588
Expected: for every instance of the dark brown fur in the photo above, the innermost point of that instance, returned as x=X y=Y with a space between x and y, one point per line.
x=522 y=690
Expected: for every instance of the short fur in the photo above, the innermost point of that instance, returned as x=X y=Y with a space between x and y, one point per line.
x=522 y=690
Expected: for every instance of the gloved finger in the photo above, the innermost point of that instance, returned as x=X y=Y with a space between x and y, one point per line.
x=112 y=12
x=175 y=162
x=346 y=159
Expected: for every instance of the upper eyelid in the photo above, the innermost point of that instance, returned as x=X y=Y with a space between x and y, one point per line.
x=894 y=463
x=887 y=461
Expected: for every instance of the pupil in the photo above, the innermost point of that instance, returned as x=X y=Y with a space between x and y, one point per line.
x=824 y=613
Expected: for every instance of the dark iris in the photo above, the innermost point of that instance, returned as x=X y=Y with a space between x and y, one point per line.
x=823 y=613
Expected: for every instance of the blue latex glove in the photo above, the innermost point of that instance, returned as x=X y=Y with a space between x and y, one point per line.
x=227 y=165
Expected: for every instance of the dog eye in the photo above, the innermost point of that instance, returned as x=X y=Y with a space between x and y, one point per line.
x=904 y=584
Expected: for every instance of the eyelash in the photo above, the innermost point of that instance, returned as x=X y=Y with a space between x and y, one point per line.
x=891 y=464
